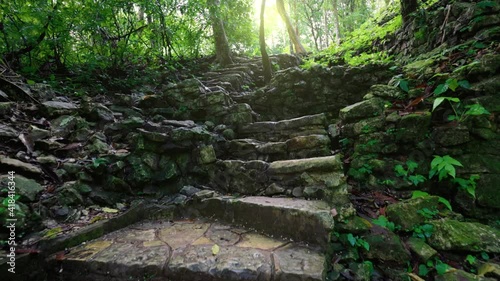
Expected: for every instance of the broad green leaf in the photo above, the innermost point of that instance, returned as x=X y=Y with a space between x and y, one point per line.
x=418 y=194
x=485 y=256
x=452 y=84
x=441 y=88
x=351 y=239
x=442 y=267
x=464 y=84
x=476 y=109
x=412 y=165
x=450 y=160
x=215 y=249
x=423 y=270
x=403 y=84
x=437 y=102
x=400 y=171
x=30 y=82
x=471 y=259
x=445 y=202
x=450 y=170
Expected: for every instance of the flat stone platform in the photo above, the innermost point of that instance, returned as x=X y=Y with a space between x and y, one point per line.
x=189 y=251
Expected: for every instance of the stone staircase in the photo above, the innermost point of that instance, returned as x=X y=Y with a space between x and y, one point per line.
x=269 y=218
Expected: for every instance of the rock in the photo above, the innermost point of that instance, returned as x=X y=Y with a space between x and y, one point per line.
x=457 y=274
x=67 y=194
x=99 y=112
x=452 y=235
x=421 y=249
x=298 y=263
x=354 y=225
x=290 y=217
x=449 y=136
x=14 y=164
x=182 y=123
x=38 y=134
x=406 y=214
x=64 y=125
x=387 y=92
x=235 y=176
x=386 y=247
x=8 y=132
x=206 y=155
x=6 y=108
x=328 y=163
x=229 y=134
x=363 y=109
x=28 y=189
x=203 y=194
x=297 y=192
x=274 y=189
x=414 y=127
x=54 y=108
x=189 y=190
x=307 y=142
x=60 y=211
x=314 y=192
x=487 y=191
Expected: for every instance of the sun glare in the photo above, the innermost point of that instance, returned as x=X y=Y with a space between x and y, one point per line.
x=275 y=30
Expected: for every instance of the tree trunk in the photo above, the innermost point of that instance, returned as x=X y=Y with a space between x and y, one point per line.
x=336 y=21
x=262 y=42
x=222 y=51
x=291 y=32
x=408 y=7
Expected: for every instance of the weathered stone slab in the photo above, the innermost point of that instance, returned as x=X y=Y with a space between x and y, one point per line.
x=20 y=165
x=293 y=262
x=198 y=251
x=464 y=236
x=297 y=219
x=327 y=163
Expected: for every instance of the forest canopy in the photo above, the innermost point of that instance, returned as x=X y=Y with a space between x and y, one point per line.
x=52 y=36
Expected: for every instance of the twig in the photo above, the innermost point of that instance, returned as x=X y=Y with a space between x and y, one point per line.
x=443 y=29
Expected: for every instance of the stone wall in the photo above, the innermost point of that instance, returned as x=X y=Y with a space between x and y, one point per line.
x=377 y=136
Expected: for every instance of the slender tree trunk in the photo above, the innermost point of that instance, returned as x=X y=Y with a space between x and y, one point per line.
x=336 y=21
x=222 y=51
x=262 y=42
x=291 y=32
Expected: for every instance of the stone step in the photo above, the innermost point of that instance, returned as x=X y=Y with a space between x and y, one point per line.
x=189 y=251
x=313 y=178
x=285 y=129
x=295 y=148
x=308 y=221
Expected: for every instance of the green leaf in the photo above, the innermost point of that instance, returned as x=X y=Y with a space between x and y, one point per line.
x=450 y=160
x=464 y=84
x=400 y=171
x=476 y=109
x=437 y=102
x=403 y=84
x=351 y=239
x=436 y=161
x=416 y=179
x=215 y=249
x=441 y=267
x=419 y=194
x=423 y=270
x=441 y=88
x=364 y=244
x=412 y=165
x=445 y=202
x=30 y=82
x=452 y=84
x=470 y=259
x=485 y=256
